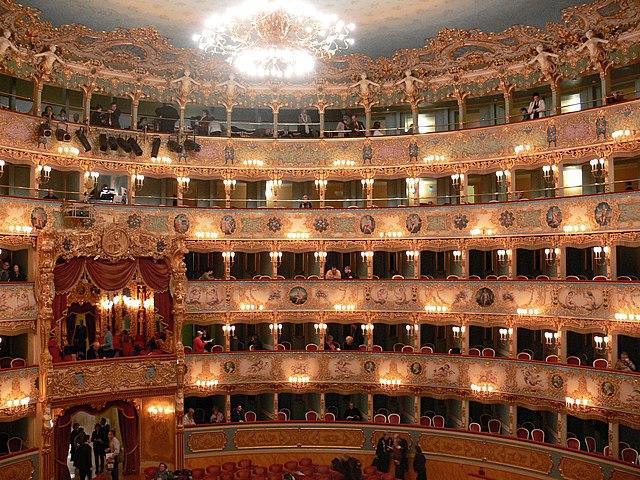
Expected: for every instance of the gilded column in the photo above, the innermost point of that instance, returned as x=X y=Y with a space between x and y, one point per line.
x=323 y=405
x=562 y=429
x=555 y=98
x=38 y=85
x=614 y=440
x=367 y=120
x=229 y=110
x=508 y=99
x=464 y=414
x=87 y=93
x=513 y=420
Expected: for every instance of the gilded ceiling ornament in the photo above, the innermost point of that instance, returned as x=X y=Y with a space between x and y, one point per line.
x=409 y=86
x=7 y=44
x=594 y=46
x=364 y=87
x=546 y=63
x=49 y=59
x=185 y=83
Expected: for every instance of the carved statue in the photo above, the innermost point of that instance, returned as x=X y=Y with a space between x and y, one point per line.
x=6 y=43
x=49 y=59
x=409 y=82
x=363 y=86
x=545 y=62
x=593 y=45
x=231 y=86
x=185 y=84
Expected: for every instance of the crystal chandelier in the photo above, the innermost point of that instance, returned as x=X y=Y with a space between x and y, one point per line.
x=274 y=38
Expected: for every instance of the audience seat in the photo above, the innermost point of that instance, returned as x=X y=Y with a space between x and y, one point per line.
x=522 y=433
x=488 y=352
x=573 y=443
x=551 y=359
x=474 y=427
x=543 y=277
x=600 y=363
x=15 y=444
x=537 y=435
x=629 y=455
x=573 y=360
x=377 y=349
x=393 y=418
x=407 y=349
x=311 y=347
x=495 y=426
x=5 y=362
x=250 y=416
x=362 y=348
x=280 y=348
x=438 y=421
x=524 y=356
x=425 y=421
x=329 y=417
x=311 y=416
x=397 y=347
x=426 y=349
x=474 y=352
x=217 y=349
x=149 y=472
x=18 y=362
x=606 y=451
x=379 y=418
x=281 y=417
x=590 y=443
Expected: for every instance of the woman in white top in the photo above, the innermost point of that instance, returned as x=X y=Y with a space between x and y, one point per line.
x=536 y=107
x=376 y=130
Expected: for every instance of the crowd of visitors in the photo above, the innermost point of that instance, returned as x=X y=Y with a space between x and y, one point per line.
x=99 y=451
x=11 y=274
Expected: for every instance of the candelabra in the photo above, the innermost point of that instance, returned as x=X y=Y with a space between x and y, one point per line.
x=206 y=385
x=276 y=257
x=344 y=307
x=367 y=184
x=433 y=158
x=549 y=172
x=157 y=411
x=299 y=380
x=413 y=330
x=458 y=331
x=43 y=174
x=527 y=311
x=2 y=164
x=17 y=406
x=484 y=388
x=504 y=256
x=457 y=256
x=598 y=168
x=228 y=331
x=522 y=149
x=436 y=308
x=320 y=328
x=602 y=343
x=502 y=178
x=229 y=257
x=621 y=134
x=551 y=338
x=275 y=328
x=183 y=183
x=456 y=180
x=551 y=255
x=505 y=334
x=601 y=254
x=367 y=257
x=229 y=184
x=137 y=181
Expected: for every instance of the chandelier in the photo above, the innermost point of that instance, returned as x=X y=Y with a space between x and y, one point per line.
x=274 y=38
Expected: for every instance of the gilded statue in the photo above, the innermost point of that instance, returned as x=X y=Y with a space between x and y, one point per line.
x=593 y=45
x=364 y=85
x=49 y=59
x=230 y=86
x=7 y=44
x=409 y=82
x=186 y=82
x=546 y=62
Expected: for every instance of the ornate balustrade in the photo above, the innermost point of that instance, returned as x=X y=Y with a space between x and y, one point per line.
x=19 y=308
x=18 y=393
x=21 y=466
x=612 y=394
x=576 y=304
x=526 y=223
x=202 y=445
x=580 y=135
x=112 y=378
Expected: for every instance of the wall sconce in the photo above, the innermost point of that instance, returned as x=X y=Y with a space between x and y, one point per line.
x=228 y=329
x=522 y=149
x=412 y=185
x=580 y=227
x=320 y=184
x=343 y=163
x=549 y=172
x=68 y=151
x=299 y=380
x=457 y=256
x=298 y=235
x=229 y=257
x=391 y=234
x=598 y=168
x=251 y=307
x=412 y=255
x=183 y=183
x=137 y=180
x=627 y=316
x=436 y=308
x=505 y=334
x=276 y=257
x=17 y=406
x=551 y=255
x=551 y=338
x=433 y=158
x=161 y=159
x=320 y=256
x=601 y=254
x=504 y=256
x=160 y=410
x=458 y=331
x=320 y=328
x=502 y=177
x=344 y=307
x=527 y=311
x=484 y=388
x=229 y=184
x=602 y=342
x=576 y=403
x=367 y=182
x=390 y=383
x=457 y=179
x=366 y=255
x=20 y=229
x=43 y=173
x=275 y=184
x=367 y=328
x=413 y=330
x=621 y=134
x=275 y=328
x=253 y=163
x=206 y=384
x=206 y=235
x=2 y=164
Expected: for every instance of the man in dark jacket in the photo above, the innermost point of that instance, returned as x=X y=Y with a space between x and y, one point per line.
x=83 y=458
x=75 y=431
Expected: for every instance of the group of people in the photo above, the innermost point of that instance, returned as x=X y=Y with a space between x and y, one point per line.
x=62 y=116
x=334 y=274
x=11 y=274
x=350 y=126
x=106 y=118
x=393 y=451
x=101 y=450
x=536 y=108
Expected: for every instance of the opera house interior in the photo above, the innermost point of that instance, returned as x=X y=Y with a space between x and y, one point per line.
x=319 y=240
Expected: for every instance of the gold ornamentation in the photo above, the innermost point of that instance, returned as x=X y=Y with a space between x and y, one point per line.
x=115 y=242
x=207 y=442
x=22 y=470
x=574 y=469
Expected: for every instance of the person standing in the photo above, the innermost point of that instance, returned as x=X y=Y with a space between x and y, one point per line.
x=399 y=456
x=98 y=448
x=383 y=451
x=536 y=107
x=75 y=431
x=420 y=464
x=114 y=451
x=83 y=458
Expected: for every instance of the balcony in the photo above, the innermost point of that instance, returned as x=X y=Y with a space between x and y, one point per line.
x=18 y=393
x=19 y=308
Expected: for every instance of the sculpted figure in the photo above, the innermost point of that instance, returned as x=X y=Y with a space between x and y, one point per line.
x=231 y=86
x=49 y=59
x=409 y=82
x=363 y=86
x=593 y=45
x=6 y=43
x=545 y=61
x=185 y=84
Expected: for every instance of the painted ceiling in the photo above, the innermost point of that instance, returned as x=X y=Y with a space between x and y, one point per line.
x=383 y=26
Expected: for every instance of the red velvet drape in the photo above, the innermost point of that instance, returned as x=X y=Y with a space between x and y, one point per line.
x=61 y=438
x=128 y=420
x=164 y=307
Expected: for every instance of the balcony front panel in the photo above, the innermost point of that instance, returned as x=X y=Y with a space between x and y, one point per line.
x=478 y=148
x=19 y=308
x=112 y=379
x=523 y=458
x=573 y=300
x=537 y=384
x=21 y=466
x=18 y=392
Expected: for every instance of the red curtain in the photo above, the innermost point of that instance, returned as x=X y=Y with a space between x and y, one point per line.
x=164 y=307
x=61 y=436
x=155 y=274
x=111 y=276
x=128 y=420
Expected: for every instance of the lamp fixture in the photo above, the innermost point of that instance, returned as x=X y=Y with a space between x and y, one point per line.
x=522 y=149
x=43 y=173
x=207 y=384
x=229 y=183
x=17 y=406
x=601 y=254
x=367 y=328
x=228 y=330
x=575 y=228
x=551 y=255
x=276 y=257
x=320 y=256
x=621 y=134
x=505 y=334
x=627 y=316
x=458 y=331
x=274 y=38
x=412 y=185
x=457 y=179
x=528 y=311
x=161 y=159
x=367 y=182
x=433 y=158
x=299 y=380
x=343 y=163
x=2 y=164
x=20 y=230
x=602 y=342
x=457 y=256
x=183 y=183
x=344 y=307
x=229 y=256
x=577 y=403
x=275 y=328
x=504 y=256
x=160 y=410
x=390 y=383
x=320 y=183
x=206 y=235
x=436 y=308
x=502 y=177
x=392 y=234
x=549 y=171
x=484 y=388
x=91 y=178
x=253 y=163
x=251 y=307
x=551 y=338
x=366 y=255
x=320 y=328
x=598 y=168
x=412 y=255
x=413 y=329
x=298 y=235
x=68 y=150
x=137 y=181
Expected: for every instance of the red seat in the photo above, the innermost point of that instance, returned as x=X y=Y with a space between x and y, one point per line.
x=474 y=352
x=376 y=349
x=474 y=427
x=291 y=466
x=311 y=416
x=438 y=421
x=379 y=418
x=149 y=472
x=488 y=352
x=425 y=421
x=573 y=443
x=228 y=467
x=495 y=426
x=522 y=433
x=306 y=462
x=551 y=359
x=524 y=356
x=393 y=418
x=407 y=349
x=213 y=470
x=329 y=417
x=426 y=349
x=629 y=455
x=197 y=473
x=590 y=442
x=571 y=360
x=537 y=435
x=600 y=363
x=244 y=463
x=250 y=416
x=311 y=347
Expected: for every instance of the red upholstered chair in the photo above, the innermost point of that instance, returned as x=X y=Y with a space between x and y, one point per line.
x=551 y=359
x=15 y=444
x=600 y=363
x=306 y=462
x=425 y=421
x=393 y=418
x=474 y=427
x=213 y=470
x=629 y=455
x=495 y=426
x=522 y=433
x=376 y=349
x=572 y=360
x=281 y=417
x=474 y=352
x=600 y=278
x=276 y=468
x=250 y=416
x=244 y=463
x=492 y=277
x=229 y=467
x=311 y=416
x=438 y=421
x=537 y=435
x=397 y=347
x=198 y=474
x=488 y=352
x=524 y=356
x=606 y=451
x=217 y=349
x=573 y=443
x=149 y=472
x=379 y=418
x=18 y=362
x=311 y=347
x=362 y=348
x=426 y=349
x=280 y=348
x=590 y=443
x=407 y=349
x=329 y=417
x=5 y=362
